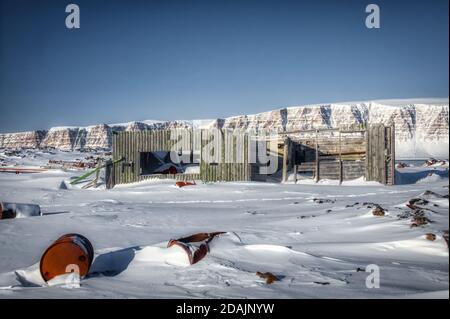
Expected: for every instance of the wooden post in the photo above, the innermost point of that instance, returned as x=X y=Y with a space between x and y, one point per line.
x=295 y=173
x=109 y=171
x=317 y=157
x=222 y=175
x=202 y=164
x=340 y=159
x=285 y=159
x=97 y=175
x=368 y=155
x=393 y=154
x=375 y=145
x=382 y=153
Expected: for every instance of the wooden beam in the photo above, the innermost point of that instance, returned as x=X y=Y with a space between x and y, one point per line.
x=285 y=159
x=393 y=154
x=382 y=153
x=320 y=130
x=317 y=172
x=340 y=159
x=295 y=173
x=109 y=174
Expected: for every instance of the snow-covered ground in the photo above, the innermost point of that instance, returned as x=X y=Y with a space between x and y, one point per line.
x=317 y=238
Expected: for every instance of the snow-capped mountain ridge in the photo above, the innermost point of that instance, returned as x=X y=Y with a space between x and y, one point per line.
x=422 y=125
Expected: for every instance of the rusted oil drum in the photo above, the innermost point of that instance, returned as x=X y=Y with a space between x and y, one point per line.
x=17 y=210
x=196 y=246
x=68 y=252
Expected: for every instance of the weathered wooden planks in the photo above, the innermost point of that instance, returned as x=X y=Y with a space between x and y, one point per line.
x=342 y=155
x=330 y=169
x=380 y=157
x=130 y=144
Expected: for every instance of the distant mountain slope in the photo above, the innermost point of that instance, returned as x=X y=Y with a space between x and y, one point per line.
x=422 y=125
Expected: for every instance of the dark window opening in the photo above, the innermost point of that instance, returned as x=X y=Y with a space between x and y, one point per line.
x=161 y=162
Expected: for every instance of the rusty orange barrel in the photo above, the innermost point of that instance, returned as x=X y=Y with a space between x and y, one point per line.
x=68 y=252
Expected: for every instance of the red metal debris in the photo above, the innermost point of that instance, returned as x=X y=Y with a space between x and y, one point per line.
x=182 y=184
x=196 y=246
x=19 y=170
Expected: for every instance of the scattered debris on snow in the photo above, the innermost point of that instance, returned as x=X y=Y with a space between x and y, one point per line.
x=17 y=210
x=378 y=211
x=268 y=276
x=320 y=254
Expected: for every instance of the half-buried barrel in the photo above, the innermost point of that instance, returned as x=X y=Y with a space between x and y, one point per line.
x=17 y=210
x=71 y=252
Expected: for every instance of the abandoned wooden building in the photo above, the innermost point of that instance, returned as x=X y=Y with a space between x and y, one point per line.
x=224 y=155
x=342 y=154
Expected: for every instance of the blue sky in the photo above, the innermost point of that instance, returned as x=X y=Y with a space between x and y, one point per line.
x=137 y=60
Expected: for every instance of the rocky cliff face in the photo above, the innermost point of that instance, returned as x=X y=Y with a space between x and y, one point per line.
x=422 y=127
x=69 y=138
x=23 y=139
x=302 y=118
